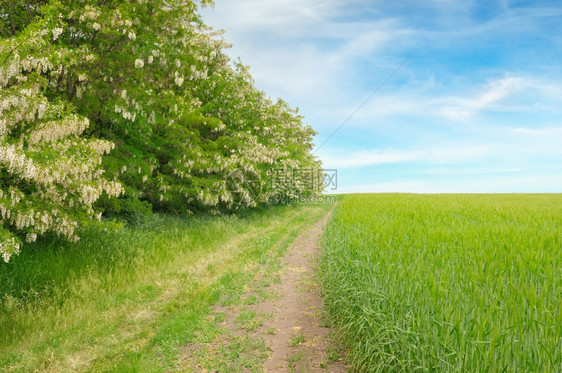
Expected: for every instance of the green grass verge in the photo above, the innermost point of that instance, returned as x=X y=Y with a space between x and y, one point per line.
x=447 y=283
x=133 y=300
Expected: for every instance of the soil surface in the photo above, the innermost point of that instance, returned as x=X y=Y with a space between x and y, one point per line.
x=302 y=341
x=283 y=310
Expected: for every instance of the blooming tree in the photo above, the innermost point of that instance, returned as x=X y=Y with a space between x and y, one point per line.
x=191 y=131
x=50 y=176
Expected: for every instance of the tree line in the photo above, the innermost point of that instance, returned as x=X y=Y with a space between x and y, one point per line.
x=121 y=107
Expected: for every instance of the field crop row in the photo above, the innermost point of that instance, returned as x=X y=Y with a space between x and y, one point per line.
x=448 y=283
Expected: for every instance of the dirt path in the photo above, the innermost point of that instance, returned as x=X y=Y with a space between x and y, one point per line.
x=278 y=323
x=301 y=342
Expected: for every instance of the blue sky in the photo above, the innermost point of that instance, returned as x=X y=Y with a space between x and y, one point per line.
x=477 y=107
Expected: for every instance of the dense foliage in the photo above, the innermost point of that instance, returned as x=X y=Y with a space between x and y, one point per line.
x=189 y=130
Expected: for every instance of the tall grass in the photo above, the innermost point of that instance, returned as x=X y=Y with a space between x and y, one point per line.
x=447 y=283
x=131 y=299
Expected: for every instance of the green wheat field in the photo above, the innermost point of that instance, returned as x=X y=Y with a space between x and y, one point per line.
x=447 y=283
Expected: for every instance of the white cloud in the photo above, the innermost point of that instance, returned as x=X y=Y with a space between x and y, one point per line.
x=409 y=186
x=363 y=39
x=326 y=56
x=275 y=16
x=493 y=92
x=551 y=136
x=524 y=183
x=468 y=171
x=305 y=51
x=432 y=155
x=505 y=151
x=528 y=131
x=463 y=101
x=314 y=53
